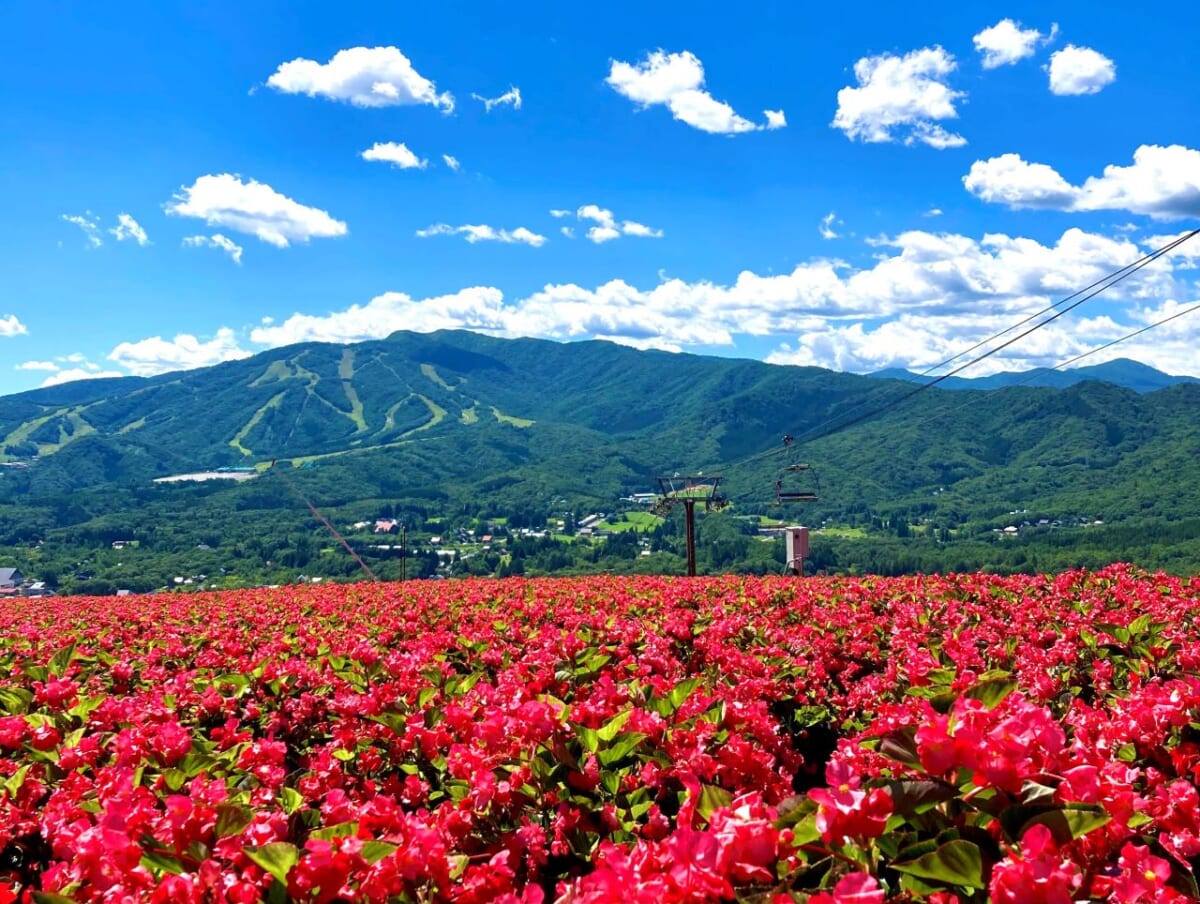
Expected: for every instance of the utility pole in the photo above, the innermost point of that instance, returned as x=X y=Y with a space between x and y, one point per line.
x=688 y=491
x=403 y=551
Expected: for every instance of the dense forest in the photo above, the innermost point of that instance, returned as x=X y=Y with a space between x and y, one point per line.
x=457 y=437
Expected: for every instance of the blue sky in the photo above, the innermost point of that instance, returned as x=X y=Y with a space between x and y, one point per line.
x=849 y=186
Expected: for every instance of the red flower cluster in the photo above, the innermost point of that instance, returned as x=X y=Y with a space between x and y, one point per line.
x=953 y=739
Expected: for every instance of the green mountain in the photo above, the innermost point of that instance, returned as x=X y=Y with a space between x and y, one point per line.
x=458 y=425
x=1120 y=372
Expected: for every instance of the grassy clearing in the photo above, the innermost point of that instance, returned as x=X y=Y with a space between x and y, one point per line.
x=509 y=419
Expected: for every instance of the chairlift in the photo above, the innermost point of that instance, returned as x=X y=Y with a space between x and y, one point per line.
x=785 y=490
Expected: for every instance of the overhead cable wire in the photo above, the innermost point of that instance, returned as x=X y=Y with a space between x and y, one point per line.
x=1096 y=288
x=1088 y=292
x=1032 y=374
x=316 y=514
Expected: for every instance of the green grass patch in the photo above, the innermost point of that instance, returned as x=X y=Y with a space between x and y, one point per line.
x=521 y=422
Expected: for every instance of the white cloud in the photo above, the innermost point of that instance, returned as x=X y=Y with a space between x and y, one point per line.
x=156 y=355
x=128 y=228
x=606 y=227
x=511 y=97
x=826 y=228
x=478 y=308
x=933 y=212
x=938 y=292
x=484 y=233
x=254 y=208
x=90 y=225
x=676 y=81
x=901 y=98
x=452 y=162
x=395 y=153
x=567 y=231
x=70 y=375
x=11 y=326
x=1080 y=70
x=1006 y=42
x=1162 y=183
x=363 y=77
x=38 y=365
x=1010 y=180
x=216 y=240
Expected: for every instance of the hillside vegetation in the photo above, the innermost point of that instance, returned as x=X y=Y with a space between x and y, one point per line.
x=457 y=430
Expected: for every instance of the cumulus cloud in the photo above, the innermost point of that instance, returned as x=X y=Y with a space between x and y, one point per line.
x=90 y=224
x=1007 y=42
x=363 y=77
x=128 y=228
x=452 y=162
x=479 y=308
x=38 y=365
x=901 y=98
x=605 y=226
x=1162 y=183
x=216 y=240
x=394 y=152
x=253 y=208
x=483 y=233
x=11 y=326
x=156 y=355
x=71 y=374
x=925 y=296
x=1080 y=70
x=676 y=81
x=512 y=97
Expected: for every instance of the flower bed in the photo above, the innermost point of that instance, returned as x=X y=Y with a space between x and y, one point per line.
x=845 y=741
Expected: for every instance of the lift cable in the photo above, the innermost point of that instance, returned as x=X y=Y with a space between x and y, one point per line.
x=316 y=514
x=834 y=425
x=1099 y=348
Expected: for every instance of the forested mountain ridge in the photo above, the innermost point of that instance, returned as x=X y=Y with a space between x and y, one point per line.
x=471 y=426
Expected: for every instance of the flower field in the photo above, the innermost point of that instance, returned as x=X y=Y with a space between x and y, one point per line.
x=967 y=738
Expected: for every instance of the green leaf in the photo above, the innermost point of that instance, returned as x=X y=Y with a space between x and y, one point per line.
x=232 y=819
x=680 y=692
x=49 y=897
x=15 y=699
x=712 y=798
x=344 y=755
x=901 y=746
x=1070 y=822
x=16 y=780
x=277 y=858
x=992 y=691
x=589 y=737
x=955 y=863
x=621 y=747
x=341 y=830
x=374 y=851
x=613 y=725
x=291 y=800
x=162 y=863
x=60 y=660
x=910 y=798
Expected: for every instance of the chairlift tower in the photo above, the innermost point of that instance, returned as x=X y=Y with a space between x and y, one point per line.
x=687 y=491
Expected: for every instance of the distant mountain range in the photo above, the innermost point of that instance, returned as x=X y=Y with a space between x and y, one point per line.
x=1120 y=372
x=474 y=422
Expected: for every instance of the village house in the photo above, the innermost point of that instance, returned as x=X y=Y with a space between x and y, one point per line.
x=10 y=578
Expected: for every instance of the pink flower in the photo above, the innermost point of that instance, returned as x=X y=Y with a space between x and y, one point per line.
x=853 y=888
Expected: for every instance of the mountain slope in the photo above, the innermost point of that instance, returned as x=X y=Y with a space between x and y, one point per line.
x=1120 y=372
